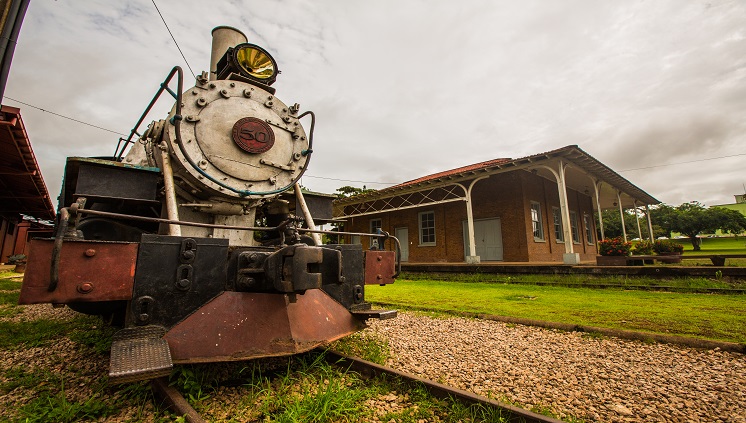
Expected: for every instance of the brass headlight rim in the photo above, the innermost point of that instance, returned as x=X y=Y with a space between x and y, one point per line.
x=249 y=71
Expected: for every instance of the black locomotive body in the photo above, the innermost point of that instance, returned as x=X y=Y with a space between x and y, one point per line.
x=163 y=240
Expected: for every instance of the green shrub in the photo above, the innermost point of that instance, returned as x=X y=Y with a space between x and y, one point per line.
x=667 y=246
x=643 y=248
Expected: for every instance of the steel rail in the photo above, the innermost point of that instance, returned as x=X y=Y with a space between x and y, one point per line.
x=438 y=390
x=172 y=399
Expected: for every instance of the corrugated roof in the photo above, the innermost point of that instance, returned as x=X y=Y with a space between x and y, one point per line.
x=22 y=188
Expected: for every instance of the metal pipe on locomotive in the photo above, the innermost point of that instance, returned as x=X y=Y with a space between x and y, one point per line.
x=163 y=241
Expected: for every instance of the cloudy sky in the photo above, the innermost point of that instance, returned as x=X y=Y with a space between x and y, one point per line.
x=654 y=89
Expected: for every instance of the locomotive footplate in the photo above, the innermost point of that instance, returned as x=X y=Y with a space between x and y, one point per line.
x=139 y=353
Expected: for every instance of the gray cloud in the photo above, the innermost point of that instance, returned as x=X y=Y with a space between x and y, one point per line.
x=403 y=89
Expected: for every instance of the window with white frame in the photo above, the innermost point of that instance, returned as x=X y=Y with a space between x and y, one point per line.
x=588 y=229
x=536 y=224
x=557 y=218
x=427 y=228
x=574 y=227
x=375 y=225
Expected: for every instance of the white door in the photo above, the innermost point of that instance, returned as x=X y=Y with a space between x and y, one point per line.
x=403 y=235
x=488 y=237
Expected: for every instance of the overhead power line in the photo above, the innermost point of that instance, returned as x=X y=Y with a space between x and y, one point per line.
x=350 y=180
x=66 y=117
x=680 y=163
x=172 y=37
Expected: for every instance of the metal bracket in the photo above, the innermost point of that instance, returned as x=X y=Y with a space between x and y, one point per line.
x=299 y=267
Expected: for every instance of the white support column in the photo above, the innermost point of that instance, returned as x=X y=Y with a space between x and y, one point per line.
x=650 y=223
x=570 y=257
x=621 y=214
x=472 y=258
x=597 y=188
x=637 y=218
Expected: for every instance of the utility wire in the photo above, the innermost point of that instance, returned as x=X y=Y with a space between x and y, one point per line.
x=679 y=163
x=66 y=117
x=172 y=37
x=350 y=180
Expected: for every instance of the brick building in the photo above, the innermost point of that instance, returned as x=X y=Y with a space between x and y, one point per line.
x=534 y=209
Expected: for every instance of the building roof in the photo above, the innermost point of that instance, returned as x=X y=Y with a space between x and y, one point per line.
x=583 y=171
x=457 y=171
x=22 y=188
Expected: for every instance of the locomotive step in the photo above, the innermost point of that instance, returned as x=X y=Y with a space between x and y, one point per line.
x=138 y=354
x=375 y=314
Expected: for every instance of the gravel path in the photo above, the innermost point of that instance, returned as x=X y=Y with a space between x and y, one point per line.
x=568 y=373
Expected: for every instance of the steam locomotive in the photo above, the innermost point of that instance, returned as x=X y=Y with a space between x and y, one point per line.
x=189 y=241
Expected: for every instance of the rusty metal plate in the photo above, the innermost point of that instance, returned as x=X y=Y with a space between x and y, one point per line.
x=245 y=325
x=380 y=267
x=89 y=271
x=253 y=135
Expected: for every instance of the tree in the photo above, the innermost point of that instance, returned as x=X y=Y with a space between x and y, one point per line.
x=729 y=221
x=664 y=216
x=345 y=192
x=350 y=191
x=613 y=224
x=692 y=219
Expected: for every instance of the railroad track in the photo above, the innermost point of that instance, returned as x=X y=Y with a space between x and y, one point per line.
x=172 y=399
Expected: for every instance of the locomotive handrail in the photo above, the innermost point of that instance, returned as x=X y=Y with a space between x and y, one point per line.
x=164 y=87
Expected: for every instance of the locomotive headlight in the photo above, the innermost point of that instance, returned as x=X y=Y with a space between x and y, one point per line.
x=250 y=61
x=256 y=62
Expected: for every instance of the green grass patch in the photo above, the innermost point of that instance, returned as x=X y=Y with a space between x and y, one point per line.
x=580 y=280
x=20 y=376
x=10 y=284
x=306 y=388
x=90 y=331
x=30 y=333
x=83 y=329
x=51 y=404
x=363 y=345
x=719 y=317
x=9 y=298
x=56 y=408
x=719 y=245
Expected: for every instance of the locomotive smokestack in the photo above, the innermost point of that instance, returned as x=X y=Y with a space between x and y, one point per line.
x=223 y=37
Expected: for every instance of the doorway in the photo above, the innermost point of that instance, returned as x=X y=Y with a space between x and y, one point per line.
x=488 y=237
x=403 y=235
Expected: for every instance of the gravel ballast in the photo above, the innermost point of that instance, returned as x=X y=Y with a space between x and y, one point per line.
x=569 y=373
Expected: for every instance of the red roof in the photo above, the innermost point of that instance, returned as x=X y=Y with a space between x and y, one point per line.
x=468 y=168
x=22 y=187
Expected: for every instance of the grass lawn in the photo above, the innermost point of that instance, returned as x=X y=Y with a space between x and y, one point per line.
x=710 y=246
x=709 y=316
